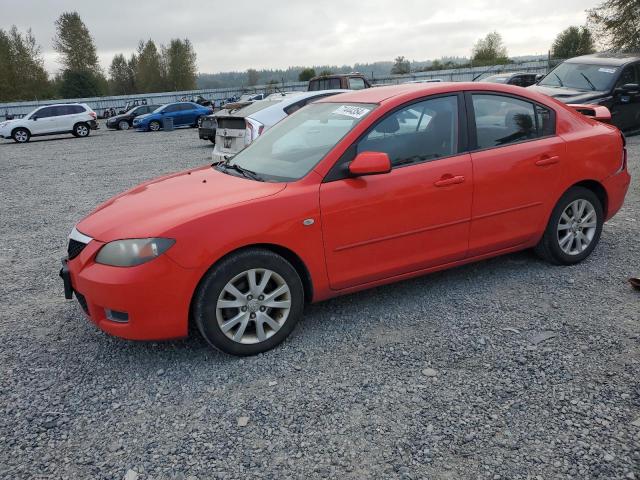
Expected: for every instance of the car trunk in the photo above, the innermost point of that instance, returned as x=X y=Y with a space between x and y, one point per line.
x=230 y=135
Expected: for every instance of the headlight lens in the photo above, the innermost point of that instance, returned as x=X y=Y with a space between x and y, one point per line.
x=132 y=252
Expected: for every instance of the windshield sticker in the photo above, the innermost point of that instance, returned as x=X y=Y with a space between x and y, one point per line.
x=607 y=70
x=351 y=111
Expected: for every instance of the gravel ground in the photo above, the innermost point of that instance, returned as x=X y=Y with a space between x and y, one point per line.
x=506 y=369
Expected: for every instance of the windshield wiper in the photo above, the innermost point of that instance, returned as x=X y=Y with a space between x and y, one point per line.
x=593 y=87
x=245 y=172
x=559 y=79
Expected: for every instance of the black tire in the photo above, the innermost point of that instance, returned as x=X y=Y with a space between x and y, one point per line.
x=154 y=126
x=212 y=140
x=217 y=278
x=21 y=135
x=81 y=130
x=549 y=248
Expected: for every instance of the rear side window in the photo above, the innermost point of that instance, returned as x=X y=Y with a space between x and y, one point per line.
x=356 y=83
x=73 y=109
x=501 y=120
x=325 y=84
x=423 y=131
x=172 y=108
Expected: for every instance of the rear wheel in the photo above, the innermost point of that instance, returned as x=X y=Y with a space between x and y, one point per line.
x=249 y=302
x=21 y=135
x=154 y=126
x=81 y=130
x=574 y=228
x=123 y=125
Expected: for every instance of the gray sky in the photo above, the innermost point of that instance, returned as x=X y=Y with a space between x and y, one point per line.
x=232 y=35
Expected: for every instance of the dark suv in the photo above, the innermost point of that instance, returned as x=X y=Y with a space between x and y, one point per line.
x=124 y=121
x=609 y=79
x=521 y=79
x=347 y=81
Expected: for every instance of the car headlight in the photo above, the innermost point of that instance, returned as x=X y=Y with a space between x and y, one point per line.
x=132 y=252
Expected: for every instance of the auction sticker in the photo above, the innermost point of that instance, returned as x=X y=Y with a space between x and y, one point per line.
x=607 y=70
x=351 y=111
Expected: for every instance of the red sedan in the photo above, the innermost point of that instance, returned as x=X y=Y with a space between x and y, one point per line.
x=354 y=191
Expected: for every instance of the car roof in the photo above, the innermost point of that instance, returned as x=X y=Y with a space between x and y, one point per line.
x=408 y=91
x=606 y=58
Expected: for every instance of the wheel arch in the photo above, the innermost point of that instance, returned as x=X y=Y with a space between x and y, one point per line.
x=597 y=188
x=286 y=253
x=21 y=128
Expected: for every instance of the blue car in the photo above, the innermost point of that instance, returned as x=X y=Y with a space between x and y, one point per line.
x=183 y=114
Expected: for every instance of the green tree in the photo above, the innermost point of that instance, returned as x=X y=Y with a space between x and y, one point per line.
x=79 y=84
x=74 y=43
x=150 y=75
x=252 y=77
x=489 y=51
x=325 y=73
x=401 y=66
x=121 y=76
x=22 y=73
x=306 y=74
x=572 y=42
x=180 y=65
x=616 y=24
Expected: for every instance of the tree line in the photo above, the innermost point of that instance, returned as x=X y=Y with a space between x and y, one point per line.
x=614 y=24
x=149 y=69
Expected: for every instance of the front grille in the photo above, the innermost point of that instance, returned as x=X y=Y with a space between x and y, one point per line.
x=74 y=248
x=83 y=302
x=208 y=123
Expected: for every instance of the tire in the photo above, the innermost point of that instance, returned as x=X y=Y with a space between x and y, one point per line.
x=81 y=130
x=255 y=323
x=574 y=228
x=123 y=125
x=154 y=126
x=212 y=140
x=21 y=135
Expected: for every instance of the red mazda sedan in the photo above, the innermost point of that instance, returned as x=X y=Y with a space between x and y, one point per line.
x=353 y=191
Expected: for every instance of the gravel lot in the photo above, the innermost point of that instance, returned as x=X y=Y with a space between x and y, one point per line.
x=506 y=369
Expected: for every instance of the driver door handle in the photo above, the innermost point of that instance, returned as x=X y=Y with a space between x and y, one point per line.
x=447 y=180
x=548 y=161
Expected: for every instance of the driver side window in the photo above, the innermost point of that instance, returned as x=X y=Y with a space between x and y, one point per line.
x=420 y=132
x=629 y=75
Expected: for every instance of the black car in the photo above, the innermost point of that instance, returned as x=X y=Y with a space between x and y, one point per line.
x=125 y=120
x=207 y=128
x=608 y=79
x=521 y=79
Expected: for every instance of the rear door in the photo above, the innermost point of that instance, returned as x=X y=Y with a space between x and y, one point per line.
x=415 y=216
x=517 y=166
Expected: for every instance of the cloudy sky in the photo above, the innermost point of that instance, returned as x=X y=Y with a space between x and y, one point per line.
x=235 y=35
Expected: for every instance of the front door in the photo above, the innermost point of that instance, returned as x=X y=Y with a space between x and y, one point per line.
x=517 y=164
x=412 y=218
x=625 y=110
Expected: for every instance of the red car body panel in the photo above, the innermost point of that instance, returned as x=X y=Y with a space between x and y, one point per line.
x=349 y=234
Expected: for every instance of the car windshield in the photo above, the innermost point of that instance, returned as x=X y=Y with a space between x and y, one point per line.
x=581 y=76
x=290 y=149
x=159 y=109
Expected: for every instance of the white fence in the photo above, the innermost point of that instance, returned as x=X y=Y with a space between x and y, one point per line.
x=101 y=103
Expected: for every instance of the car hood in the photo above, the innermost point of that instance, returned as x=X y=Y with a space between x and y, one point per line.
x=117 y=118
x=8 y=122
x=156 y=207
x=569 y=95
x=143 y=117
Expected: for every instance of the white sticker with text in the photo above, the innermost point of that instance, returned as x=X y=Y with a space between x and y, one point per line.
x=607 y=70
x=351 y=111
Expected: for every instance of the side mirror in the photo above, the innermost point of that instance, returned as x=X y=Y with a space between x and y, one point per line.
x=370 y=163
x=34 y=118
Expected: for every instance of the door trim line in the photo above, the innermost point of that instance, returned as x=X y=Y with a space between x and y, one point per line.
x=506 y=210
x=399 y=235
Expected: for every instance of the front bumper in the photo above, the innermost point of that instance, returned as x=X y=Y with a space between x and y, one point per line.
x=155 y=296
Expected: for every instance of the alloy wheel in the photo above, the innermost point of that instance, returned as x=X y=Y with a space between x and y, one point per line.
x=577 y=227
x=154 y=126
x=123 y=125
x=82 y=130
x=21 y=136
x=253 y=306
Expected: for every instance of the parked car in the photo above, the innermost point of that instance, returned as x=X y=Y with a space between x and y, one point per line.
x=608 y=79
x=237 y=129
x=75 y=118
x=182 y=113
x=425 y=80
x=343 y=81
x=353 y=191
x=125 y=121
x=520 y=79
x=131 y=104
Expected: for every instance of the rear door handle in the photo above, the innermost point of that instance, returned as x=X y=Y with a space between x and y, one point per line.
x=449 y=180
x=548 y=161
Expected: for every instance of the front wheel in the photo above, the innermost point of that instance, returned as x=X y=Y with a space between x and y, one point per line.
x=574 y=228
x=154 y=126
x=81 y=130
x=249 y=302
x=123 y=125
x=21 y=135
